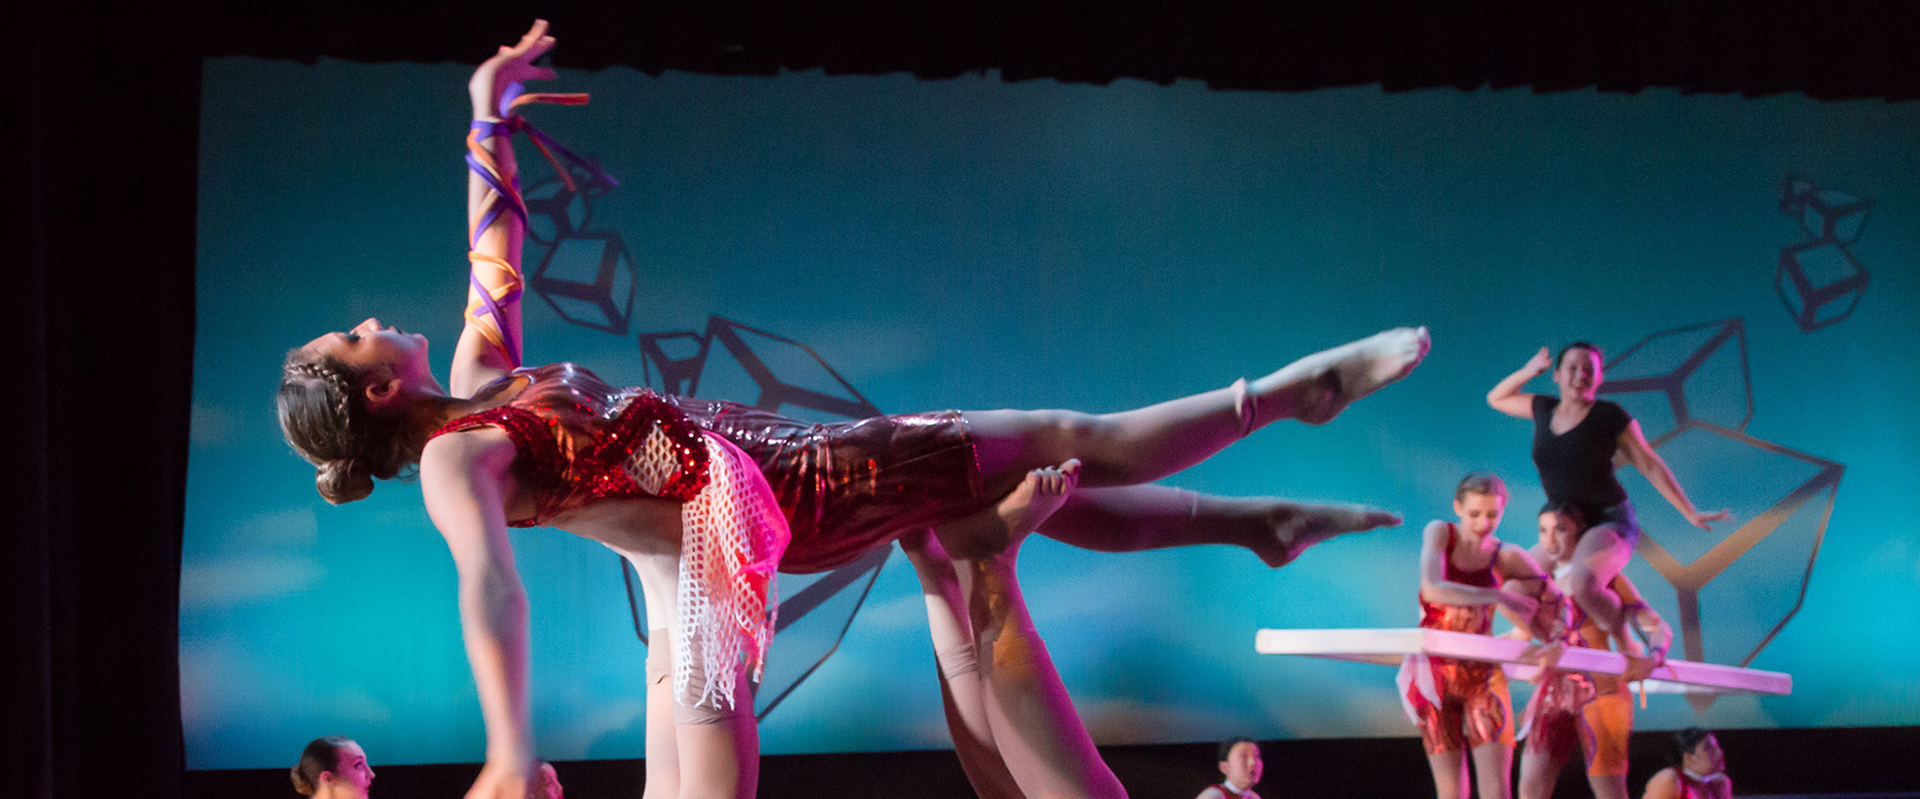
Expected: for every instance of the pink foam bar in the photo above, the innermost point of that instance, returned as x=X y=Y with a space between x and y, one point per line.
x=1389 y=646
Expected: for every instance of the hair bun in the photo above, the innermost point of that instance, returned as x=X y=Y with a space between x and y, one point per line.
x=302 y=785
x=342 y=481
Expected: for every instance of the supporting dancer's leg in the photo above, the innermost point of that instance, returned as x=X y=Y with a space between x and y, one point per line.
x=663 y=750
x=1449 y=773
x=1539 y=772
x=1493 y=770
x=1032 y=719
x=1137 y=518
x=719 y=749
x=1146 y=444
x=692 y=753
x=1597 y=559
x=658 y=574
x=1608 y=786
x=962 y=688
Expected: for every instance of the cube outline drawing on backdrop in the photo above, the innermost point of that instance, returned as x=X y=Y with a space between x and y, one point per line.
x=609 y=292
x=1689 y=579
x=1832 y=220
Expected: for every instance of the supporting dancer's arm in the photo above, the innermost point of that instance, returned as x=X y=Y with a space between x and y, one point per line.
x=463 y=478
x=1653 y=631
x=490 y=344
x=1506 y=396
x=1638 y=452
x=1522 y=575
x=1436 y=587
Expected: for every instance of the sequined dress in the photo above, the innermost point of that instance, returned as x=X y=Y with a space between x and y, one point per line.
x=760 y=492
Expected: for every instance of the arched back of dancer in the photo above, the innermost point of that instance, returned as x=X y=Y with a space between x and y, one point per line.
x=1576 y=437
x=332 y=767
x=1700 y=773
x=706 y=499
x=1574 y=711
x=1466 y=576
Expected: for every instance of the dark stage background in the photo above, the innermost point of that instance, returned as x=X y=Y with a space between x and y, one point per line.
x=100 y=312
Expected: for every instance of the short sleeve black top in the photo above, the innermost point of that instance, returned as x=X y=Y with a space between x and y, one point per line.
x=1577 y=466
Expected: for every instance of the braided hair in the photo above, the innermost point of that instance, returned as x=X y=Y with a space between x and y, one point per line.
x=325 y=417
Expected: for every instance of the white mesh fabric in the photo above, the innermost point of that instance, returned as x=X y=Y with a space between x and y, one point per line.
x=732 y=538
x=653 y=463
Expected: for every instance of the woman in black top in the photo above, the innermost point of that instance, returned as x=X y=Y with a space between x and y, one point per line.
x=1575 y=438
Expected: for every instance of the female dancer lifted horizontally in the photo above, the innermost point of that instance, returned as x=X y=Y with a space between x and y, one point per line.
x=706 y=499
x=1574 y=441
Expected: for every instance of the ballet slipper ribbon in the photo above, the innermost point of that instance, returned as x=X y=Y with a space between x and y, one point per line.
x=492 y=284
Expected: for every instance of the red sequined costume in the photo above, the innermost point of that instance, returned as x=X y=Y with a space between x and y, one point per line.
x=1590 y=712
x=1457 y=704
x=761 y=491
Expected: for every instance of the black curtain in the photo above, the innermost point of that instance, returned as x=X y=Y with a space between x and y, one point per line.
x=98 y=314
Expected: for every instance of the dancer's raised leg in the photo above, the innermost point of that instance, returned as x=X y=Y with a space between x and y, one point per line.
x=1597 y=559
x=1146 y=444
x=1032 y=719
x=1137 y=518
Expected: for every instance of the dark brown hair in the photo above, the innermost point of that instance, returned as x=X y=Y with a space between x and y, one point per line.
x=1226 y=746
x=322 y=754
x=324 y=415
x=1688 y=740
x=1571 y=510
x=1561 y=357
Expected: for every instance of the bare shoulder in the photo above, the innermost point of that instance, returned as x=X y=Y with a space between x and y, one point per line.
x=1663 y=784
x=459 y=452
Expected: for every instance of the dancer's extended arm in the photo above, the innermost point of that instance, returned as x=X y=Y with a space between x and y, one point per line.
x=1437 y=588
x=490 y=344
x=463 y=478
x=1652 y=629
x=1506 y=396
x=1522 y=575
x=1633 y=444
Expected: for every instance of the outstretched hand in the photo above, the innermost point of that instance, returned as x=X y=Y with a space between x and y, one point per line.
x=1705 y=521
x=1546 y=656
x=1540 y=362
x=509 y=66
x=1641 y=667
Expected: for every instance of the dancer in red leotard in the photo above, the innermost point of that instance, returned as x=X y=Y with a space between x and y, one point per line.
x=1466 y=576
x=707 y=499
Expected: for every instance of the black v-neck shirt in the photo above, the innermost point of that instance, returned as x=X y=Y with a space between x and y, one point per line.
x=1577 y=466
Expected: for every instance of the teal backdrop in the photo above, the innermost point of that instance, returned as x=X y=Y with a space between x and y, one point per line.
x=972 y=243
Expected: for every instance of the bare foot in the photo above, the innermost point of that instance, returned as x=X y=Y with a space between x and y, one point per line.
x=1296 y=527
x=1318 y=387
x=1038 y=496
